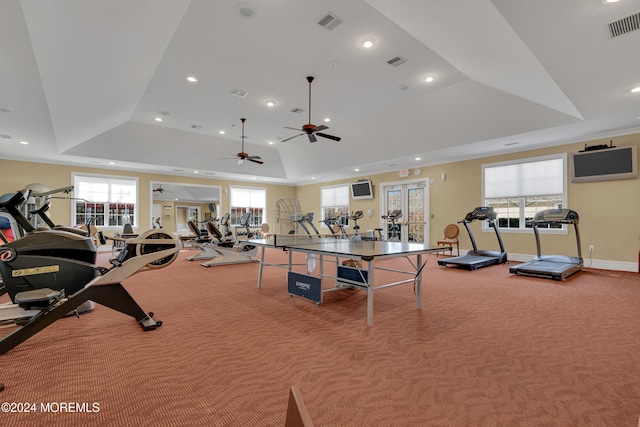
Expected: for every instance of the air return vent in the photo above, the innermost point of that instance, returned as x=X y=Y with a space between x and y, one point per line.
x=397 y=61
x=297 y=110
x=624 y=25
x=329 y=22
x=239 y=93
x=5 y=136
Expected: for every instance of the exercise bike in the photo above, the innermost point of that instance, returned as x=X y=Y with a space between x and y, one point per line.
x=392 y=216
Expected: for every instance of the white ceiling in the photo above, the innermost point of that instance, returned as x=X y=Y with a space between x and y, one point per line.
x=84 y=79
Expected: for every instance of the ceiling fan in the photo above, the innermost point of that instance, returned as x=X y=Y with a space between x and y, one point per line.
x=160 y=190
x=310 y=129
x=242 y=156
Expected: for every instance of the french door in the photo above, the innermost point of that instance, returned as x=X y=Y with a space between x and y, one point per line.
x=412 y=199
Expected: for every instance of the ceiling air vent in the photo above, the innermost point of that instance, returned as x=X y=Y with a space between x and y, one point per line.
x=297 y=110
x=329 y=22
x=239 y=93
x=397 y=61
x=624 y=25
x=5 y=136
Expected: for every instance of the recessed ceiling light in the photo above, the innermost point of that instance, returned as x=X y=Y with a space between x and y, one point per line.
x=609 y=1
x=270 y=102
x=24 y=142
x=357 y=170
x=429 y=79
x=368 y=43
x=270 y=142
x=192 y=79
x=195 y=171
x=327 y=119
x=221 y=132
x=635 y=89
x=112 y=163
x=418 y=158
x=158 y=119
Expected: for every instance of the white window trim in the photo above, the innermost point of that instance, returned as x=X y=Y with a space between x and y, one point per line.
x=565 y=196
x=248 y=187
x=348 y=224
x=136 y=214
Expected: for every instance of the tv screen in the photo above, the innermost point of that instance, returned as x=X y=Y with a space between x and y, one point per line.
x=361 y=190
x=605 y=164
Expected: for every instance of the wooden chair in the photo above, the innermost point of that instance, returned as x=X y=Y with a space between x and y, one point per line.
x=297 y=415
x=451 y=233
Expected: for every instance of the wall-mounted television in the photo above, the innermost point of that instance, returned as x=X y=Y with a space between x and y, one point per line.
x=361 y=190
x=604 y=164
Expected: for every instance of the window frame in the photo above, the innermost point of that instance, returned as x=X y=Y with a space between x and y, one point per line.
x=234 y=218
x=76 y=178
x=344 y=220
x=522 y=228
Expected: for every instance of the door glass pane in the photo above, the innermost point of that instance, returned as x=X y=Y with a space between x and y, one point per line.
x=415 y=215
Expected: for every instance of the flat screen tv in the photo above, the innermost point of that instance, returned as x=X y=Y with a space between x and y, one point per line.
x=605 y=164
x=361 y=190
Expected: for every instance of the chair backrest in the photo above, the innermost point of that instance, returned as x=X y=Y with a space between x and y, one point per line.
x=127 y=229
x=297 y=415
x=213 y=230
x=451 y=231
x=194 y=228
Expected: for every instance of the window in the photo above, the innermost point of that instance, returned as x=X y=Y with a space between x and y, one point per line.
x=517 y=190
x=245 y=199
x=105 y=200
x=335 y=199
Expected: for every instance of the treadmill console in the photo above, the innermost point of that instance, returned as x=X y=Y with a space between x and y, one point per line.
x=560 y=216
x=481 y=213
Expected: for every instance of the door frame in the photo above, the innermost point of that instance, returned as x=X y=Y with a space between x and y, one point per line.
x=427 y=213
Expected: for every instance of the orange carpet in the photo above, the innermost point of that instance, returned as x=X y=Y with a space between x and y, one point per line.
x=487 y=349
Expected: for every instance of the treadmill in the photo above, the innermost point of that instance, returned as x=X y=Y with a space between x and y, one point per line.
x=476 y=258
x=556 y=267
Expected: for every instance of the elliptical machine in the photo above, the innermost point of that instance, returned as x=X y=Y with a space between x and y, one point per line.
x=55 y=259
x=50 y=273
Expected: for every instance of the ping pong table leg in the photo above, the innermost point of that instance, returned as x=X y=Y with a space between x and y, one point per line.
x=370 y=283
x=419 y=280
x=261 y=266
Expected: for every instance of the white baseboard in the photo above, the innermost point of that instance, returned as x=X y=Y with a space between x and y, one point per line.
x=600 y=264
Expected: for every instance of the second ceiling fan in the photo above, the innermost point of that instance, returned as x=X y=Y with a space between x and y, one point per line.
x=242 y=156
x=309 y=129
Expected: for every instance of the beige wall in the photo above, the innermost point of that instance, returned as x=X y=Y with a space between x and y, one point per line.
x=609 y=210
x=16 y=175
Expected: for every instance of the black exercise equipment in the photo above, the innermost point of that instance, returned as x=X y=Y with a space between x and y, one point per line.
x=476 y=258
x=55 y=259
x=556 y=267
x=301 y=219
x=151 y=250
x=393 y=228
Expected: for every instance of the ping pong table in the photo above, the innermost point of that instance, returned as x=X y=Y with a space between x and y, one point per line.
x=369 y=251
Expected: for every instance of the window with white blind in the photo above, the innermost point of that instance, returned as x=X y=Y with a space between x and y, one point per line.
x=104 y=200
x=248 y=199
x=517 y=190
x=335 y=199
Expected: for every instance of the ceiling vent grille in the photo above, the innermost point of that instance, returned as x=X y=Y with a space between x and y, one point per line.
x=329 y=22
x=297 y=110
x=5 y=136
x=624 y=25
x=397 y=61
x=239 y=93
